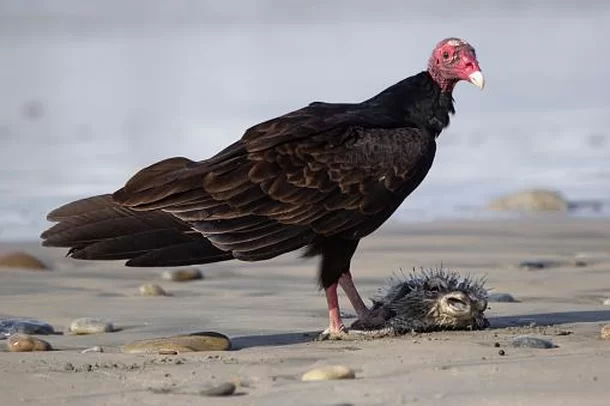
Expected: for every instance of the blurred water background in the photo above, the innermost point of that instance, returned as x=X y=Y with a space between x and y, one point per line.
x=91 y=91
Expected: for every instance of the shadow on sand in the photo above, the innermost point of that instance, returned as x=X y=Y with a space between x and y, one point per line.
x=541 y=319
x=544 y=319
x=273 y=340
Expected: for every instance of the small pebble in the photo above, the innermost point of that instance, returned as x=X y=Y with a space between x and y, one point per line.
x=501 y=353
x=531 y=342
x=168 y=352
x=605 y=333
x=152 y=289
x=97 y=348
x=329 y=373
x=543 y=264
x=21 y=260
x=501 y=298
x=25 y=326
x=204 y=341
x=497 y=345
x=26 y=343
x=224 y=389
x=88 y=325
x=181 y=275
x=606 y=302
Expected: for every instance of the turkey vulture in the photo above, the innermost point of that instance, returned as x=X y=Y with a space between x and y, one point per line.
x=320 y=178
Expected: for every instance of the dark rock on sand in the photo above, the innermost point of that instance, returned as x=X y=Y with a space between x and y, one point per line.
x=26 y=343
x=532 y=342
x=21 y=260
x=204 y=341
x=26 y=326
x=537 y=264
x=224 y=389
x=533 y=200
x=500 y=298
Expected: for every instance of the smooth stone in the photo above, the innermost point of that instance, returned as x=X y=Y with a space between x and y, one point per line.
x=152 y=289
x=549 y=263
x=606 y=302
x=88 y=325
x=531 y=342
x=328 y=373
x=605 y=333
x=21 y=260
x=182 y=275
x=96 y=348
x=26 y=343
x=25 y=326
x=224 y=389
x=501 y=298
x=204 y=341
x=533 y=200
x=541 y=264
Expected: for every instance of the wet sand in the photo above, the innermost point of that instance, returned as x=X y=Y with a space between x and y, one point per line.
x=273 y=310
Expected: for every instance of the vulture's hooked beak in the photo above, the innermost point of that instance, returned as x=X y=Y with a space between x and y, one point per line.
x=477 y=79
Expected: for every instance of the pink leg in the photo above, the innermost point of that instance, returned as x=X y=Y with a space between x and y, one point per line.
x=336 y=329
x=334 y=314
x=347 y=284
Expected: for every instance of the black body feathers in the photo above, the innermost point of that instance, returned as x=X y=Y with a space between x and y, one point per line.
x=323 y=177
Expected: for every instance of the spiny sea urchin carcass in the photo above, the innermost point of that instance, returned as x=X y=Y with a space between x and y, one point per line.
x=429 y=300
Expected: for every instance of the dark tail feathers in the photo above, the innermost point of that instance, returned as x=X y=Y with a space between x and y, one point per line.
x=97 y=228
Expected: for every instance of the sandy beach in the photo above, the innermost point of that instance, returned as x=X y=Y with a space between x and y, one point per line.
x=273 y=310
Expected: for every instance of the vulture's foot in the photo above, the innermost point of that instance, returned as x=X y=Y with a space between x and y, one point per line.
x=341 y=335
x=355 y=334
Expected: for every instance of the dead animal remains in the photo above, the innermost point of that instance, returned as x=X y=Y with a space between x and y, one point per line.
x=427 y=300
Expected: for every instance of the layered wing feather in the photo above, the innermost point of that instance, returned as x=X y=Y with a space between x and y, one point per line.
x=270 y=197
x=326 y=170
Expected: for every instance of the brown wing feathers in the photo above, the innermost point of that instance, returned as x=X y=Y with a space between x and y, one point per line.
x=287 y=182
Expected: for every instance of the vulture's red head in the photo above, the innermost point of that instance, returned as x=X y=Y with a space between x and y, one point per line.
x=452 y=60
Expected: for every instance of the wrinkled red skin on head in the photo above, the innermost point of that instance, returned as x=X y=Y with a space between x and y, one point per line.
x=451 y=61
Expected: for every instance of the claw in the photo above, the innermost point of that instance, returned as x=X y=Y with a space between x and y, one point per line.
x=355 y=334
x=329 y=335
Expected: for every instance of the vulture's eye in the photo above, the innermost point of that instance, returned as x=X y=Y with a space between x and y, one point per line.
x=445 y=55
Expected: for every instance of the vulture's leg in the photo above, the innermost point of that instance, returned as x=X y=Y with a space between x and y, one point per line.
x=334 y=313
x=347 y=284
x=365 y=316
x=336 y=256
